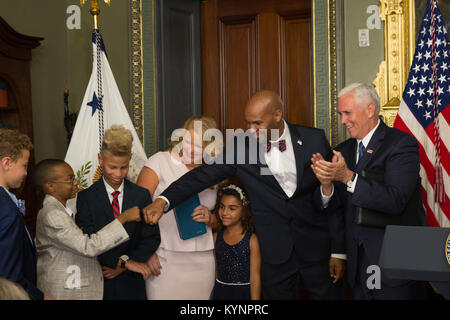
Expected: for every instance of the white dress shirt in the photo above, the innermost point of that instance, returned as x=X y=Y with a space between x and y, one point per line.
x=69 y=212
x=110 y=190
x=282 y=164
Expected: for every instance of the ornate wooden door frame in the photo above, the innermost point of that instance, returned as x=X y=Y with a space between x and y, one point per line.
x=326 y=74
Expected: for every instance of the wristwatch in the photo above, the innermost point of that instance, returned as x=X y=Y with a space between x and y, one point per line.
x=350 y=182
x=123 y=259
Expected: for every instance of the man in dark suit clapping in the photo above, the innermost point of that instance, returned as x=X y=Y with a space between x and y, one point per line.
x=375 y=147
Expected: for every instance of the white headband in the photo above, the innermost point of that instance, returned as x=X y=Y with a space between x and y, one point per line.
x=239 y=191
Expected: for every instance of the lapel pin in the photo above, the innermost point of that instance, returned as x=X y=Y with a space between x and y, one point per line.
x=370 y=151
x=300 y=142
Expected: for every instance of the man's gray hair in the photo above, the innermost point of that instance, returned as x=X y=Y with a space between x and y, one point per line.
x=363 y=93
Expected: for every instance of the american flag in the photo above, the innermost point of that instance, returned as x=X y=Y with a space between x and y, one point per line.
x=425 y=113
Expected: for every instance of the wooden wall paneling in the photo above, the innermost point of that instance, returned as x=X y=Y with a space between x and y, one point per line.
x=247 y=7
x=237 y=68
x=269 y=53
x=297 y=69
x=210 y=61
x=257 y=45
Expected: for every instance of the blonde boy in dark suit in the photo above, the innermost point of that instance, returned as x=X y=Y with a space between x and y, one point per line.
x=124 y=267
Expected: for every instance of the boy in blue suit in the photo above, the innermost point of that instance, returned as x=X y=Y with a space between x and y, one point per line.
x=18 y=251
x=124 y=267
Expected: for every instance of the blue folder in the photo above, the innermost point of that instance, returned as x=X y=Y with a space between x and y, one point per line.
x=187 y=227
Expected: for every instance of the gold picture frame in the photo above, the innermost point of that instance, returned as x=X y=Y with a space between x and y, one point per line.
x=399 y=45
x=136 y=65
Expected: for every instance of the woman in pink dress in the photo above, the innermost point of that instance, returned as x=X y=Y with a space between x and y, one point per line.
x=182 y=269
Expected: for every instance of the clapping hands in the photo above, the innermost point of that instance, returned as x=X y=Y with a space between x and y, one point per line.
x=327 y=172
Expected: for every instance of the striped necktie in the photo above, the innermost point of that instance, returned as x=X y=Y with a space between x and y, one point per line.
x=115 y=204
x=281 y=145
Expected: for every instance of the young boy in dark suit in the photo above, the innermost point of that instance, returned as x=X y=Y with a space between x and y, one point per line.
x=17 y=248
x=124 y=267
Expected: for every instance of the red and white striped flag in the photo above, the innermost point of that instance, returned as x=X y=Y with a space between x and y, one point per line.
x=425 y=113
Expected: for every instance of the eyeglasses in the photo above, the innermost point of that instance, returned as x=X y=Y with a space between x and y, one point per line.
x=72 y=180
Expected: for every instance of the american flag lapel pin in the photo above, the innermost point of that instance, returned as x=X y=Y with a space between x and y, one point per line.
x=300 y=142
x=369 y=151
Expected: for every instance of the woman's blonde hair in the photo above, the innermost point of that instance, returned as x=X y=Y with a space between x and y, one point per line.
x=207 y=123
x=117 y=141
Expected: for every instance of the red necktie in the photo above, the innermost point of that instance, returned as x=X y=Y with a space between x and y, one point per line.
x=115 y=204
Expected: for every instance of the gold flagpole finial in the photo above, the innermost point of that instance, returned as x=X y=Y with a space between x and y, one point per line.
x=95 y=10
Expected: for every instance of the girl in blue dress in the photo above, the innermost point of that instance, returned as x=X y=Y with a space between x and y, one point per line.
x=238 y=258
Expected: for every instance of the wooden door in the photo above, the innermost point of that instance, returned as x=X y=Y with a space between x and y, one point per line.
x=178 y=65
x=249 y=46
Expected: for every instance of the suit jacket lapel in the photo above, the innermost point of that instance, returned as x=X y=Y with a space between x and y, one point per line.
x=351 y=155
x=372 y=147
x=267 y=176
x=7 y=197
x=127 y=198
x=103 y=200
x=27 y=233
x=52 y=200
x=298 y=153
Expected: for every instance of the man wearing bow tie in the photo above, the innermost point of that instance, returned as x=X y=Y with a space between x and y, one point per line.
x=373 y=147
x=300 y=231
